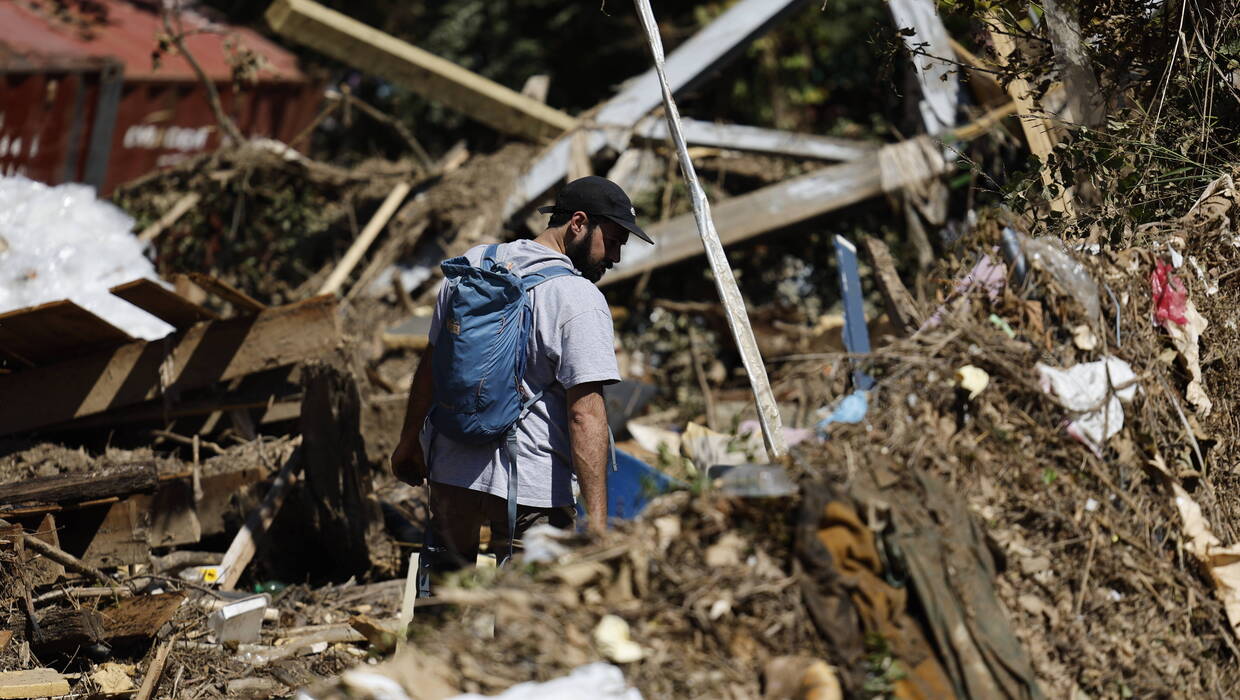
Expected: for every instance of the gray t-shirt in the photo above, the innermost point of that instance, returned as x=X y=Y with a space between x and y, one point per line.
x=570 y=343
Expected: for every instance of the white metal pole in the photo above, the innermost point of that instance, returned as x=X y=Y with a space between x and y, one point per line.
x=729 y=293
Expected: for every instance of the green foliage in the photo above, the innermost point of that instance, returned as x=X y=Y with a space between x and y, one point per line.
x=263 y=228
x=883 y=670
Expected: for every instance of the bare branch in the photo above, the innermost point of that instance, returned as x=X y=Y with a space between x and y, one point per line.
x=177 y=37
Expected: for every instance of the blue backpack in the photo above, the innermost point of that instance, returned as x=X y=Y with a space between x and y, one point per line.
x=479 y=358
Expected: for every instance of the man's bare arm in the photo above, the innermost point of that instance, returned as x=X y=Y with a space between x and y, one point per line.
x=587 y=431
x=407 y=462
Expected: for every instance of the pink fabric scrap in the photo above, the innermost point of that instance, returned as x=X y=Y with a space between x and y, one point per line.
x=1170 y=295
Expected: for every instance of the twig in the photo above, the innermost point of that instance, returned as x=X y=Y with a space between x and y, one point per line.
x=65 y=559
x=1188 y=428
x=424 y=158
x=1089 y=561
x=84 y=592
x=170 y=217
x=194 y=442
x=213 y=97
x=323 y=114
x=700 y=373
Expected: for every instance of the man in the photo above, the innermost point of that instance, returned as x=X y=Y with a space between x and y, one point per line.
x=570 y=357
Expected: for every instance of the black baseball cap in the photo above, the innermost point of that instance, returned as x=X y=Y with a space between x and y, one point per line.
x=598 y=196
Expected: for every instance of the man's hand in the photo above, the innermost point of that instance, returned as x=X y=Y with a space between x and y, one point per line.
x=587 y=430
x=408 y=464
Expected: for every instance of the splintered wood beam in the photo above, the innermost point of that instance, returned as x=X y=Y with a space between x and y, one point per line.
x=119 y=481
x=370 y=50
x=758 y=140
x=194 y=358
x=691 y=62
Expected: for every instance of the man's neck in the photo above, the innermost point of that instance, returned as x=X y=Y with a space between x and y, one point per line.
x=553 y=239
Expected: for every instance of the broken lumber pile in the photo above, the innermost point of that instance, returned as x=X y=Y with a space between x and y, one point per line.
x=71 y=364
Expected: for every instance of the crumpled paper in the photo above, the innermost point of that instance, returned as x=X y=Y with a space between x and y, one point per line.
x=1185 y=337
x=1092 y=392
x=1222 y=562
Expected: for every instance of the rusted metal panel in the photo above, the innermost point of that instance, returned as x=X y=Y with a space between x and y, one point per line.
x=44 y=118
x=162 y=124
x=34 y=29
x=88 y=105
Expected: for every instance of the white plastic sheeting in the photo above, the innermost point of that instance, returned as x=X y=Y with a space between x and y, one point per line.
x=63 y=243
x=599 y=680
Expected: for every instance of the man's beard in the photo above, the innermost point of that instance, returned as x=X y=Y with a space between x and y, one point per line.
x=579 y=252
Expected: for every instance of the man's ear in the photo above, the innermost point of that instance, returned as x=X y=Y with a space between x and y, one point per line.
x=579 y=223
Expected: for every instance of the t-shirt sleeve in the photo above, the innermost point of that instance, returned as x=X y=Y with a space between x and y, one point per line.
x=587 y=351
x=437 y=316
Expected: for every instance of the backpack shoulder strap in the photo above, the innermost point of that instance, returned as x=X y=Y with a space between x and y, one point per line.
x=488 y=257
x=533 y=279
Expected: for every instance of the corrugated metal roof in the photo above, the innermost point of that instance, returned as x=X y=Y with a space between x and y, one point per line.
x=32 y=36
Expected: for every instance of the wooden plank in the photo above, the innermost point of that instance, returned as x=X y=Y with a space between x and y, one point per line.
x=765 y=209
x=120 y=538
x=758 y=140
x=155 y=670
x=164 y=304
x=1039 y=131
x=932 y=55
x=901 y=308
x=34 y=683
x=55 y=331
x=170 y=515
x=194 y=358
x=435 y=78
x=140 y=617
x=365 y=238
x=219 y=492
x=688 y=65
x=117 y=481
x=245 y=543
x=227 y=292
x=775 y=206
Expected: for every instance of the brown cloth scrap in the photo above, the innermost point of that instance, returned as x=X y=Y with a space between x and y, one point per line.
x=847 y=598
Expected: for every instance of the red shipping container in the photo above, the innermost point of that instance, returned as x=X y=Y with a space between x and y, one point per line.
x=81 y=99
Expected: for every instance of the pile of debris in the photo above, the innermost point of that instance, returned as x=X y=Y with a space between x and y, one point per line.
x=1030 y=503
x=1026 y=492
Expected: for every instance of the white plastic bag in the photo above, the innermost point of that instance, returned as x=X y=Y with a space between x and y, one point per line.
x=63 y=243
